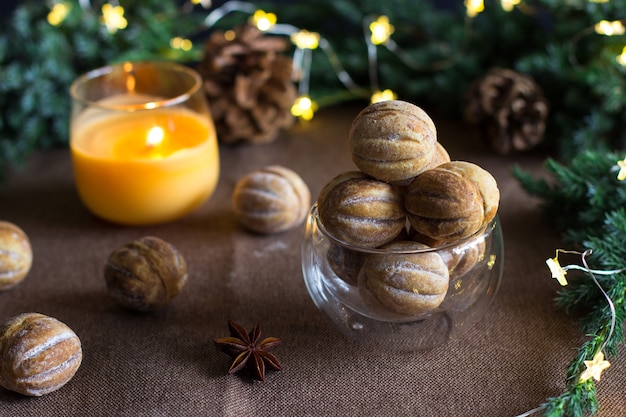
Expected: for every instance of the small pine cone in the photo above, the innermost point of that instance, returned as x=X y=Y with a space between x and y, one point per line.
x=509 y=109
x=248 y=84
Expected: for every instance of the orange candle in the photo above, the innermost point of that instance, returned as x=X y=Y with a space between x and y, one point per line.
x=144 y=166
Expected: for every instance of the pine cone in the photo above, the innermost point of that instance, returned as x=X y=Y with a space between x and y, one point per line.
x=509 y=108
x=248 y=84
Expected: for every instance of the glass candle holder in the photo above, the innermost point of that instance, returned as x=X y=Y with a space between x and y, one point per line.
x=360 y=289
x=143 y=143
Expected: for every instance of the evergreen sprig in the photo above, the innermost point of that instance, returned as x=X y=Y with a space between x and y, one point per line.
x=546 y=39
x=586 y=202
x=38 y=62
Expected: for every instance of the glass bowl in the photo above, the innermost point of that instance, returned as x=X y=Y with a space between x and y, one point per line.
x=344 y=281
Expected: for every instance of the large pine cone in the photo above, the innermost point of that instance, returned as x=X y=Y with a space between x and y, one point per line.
x=248 y=83
x=509 y=108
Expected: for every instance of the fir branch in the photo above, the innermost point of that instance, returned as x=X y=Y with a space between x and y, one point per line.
x=586 y=202
x=36 y=72
x=576 y=401
x=580 y=77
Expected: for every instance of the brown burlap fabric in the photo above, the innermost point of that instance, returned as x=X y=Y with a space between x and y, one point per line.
x=165 y=364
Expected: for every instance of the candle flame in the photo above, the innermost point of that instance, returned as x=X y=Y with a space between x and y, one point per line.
x=155 y=137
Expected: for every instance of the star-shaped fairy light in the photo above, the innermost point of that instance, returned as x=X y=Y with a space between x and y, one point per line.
x=58 y=13
x=304 y=108
x=610 y=28
x=181 y=43
x=384 y=95
x=474 y=7
x=621 y=175
x=381 y=30
x=509 y=5
x=113 y=18
x=557 y=271
x=595 y=367
x=304 y=39
x=262 y=20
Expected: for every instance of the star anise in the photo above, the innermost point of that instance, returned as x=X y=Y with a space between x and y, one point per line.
x=247 y=349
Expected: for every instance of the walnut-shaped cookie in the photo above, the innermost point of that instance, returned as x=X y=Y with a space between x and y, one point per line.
x=16 y=255
x=360 y=210
x=145 y=274
x=38 y=354
x=393 y=141
x=486 y=183
x=271 y=200
x=452 y=201
x=440 y=156
x=404 y=282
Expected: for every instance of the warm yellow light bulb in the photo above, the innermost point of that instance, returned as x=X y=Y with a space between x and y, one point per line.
x=509 y=5
x=113 y=18
x=557 y=271
x=381 y=30
x=262 y=20
x=384 y=95
x=181 y=43
x=305 y=39
x=58 y=13
x=595 y=367
x=474 y=7
x=304 y=108
x=604 y=27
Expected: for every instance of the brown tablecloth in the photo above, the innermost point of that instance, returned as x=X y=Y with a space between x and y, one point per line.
x=164 y=363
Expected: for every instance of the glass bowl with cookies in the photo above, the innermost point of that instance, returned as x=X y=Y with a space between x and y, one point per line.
x=406 y=252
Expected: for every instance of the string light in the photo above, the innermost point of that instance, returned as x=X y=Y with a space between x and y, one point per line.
x=181 y=43
x=262 y=20
x=615 y=27
x=304 y=108
x=597 y=364
x=595 y=367
x=381 y=30
x=58 y=13
x=474 y=7
x=385 y=95
x=509 y=5
x=621 y=165
x=305 y=39
x=113 y=17
x=557 y=271
x=377 y=32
